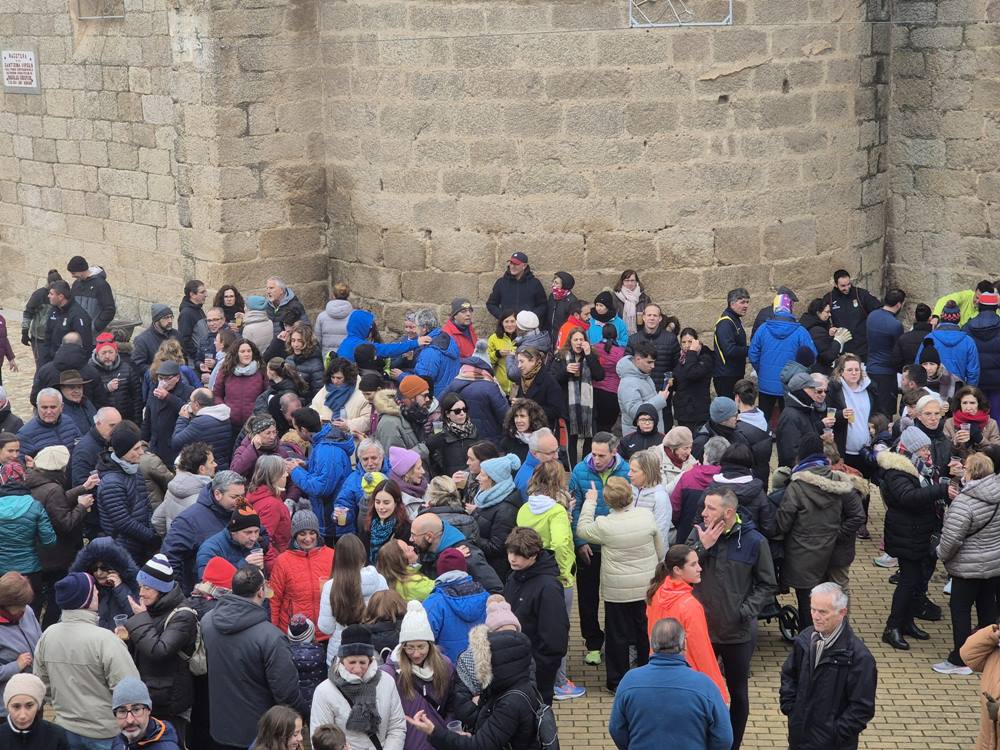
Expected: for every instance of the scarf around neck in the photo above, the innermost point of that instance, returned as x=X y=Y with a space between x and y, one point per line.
x=580 y=398
x=630 y=300
x=527 y=378
x=417 y=490
x=128 y=468
x=461 y=431
x=360 y=692
x=674 y=459
x=245 y=370
x=980 y=418
x=560 y=293
x=495 y=494
x=379 y=534
x=337 y=396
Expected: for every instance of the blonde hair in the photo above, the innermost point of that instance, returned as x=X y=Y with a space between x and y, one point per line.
x=843 y=359
x=549 y=479
x=168 y=350
x=617 y=493
x=978 y=465
x=649 y=464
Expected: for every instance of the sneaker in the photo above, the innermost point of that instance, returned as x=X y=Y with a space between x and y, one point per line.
x=929 y=611
x=894 y=579
x=864 y=533
x=569 y=691
x=947 y=588
x=593 y=658
x=885 y=560
x=946 y=667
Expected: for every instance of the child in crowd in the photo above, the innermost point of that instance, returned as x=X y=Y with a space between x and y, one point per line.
x=309 y=658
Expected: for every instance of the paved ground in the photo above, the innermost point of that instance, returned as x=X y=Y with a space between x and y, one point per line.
x=917 y=708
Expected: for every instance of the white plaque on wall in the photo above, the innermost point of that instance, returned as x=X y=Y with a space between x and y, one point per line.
x=20 y=71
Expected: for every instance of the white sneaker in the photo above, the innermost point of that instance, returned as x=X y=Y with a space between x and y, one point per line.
x=947 y=588
x=885 y=560
x=946 y=667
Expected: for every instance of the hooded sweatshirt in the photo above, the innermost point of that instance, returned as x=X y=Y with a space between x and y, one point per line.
x=331 y=325
x=635 y=389
x=359 y=325
x=456 y=605
x=552 y=522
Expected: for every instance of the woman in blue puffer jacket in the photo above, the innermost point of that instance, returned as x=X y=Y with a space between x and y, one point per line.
x=23 y=524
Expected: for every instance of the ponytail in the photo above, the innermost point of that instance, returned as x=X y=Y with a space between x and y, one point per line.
x=675 y=558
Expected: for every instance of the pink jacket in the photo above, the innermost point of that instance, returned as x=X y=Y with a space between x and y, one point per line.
x=608 y=361
x=698 y=477
x=239 y=392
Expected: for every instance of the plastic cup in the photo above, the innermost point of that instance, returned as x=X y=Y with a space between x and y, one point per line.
x=438 y=426
x=341 y=514
x=120 y=620
x=455 y=726
x=831 y=413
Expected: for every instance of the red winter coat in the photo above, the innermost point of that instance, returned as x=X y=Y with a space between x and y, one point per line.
x=274 y=515
x=297 y=580
x=239 y=392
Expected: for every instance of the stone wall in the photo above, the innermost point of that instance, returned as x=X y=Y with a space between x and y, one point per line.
x=713 y=158
x=945 y=209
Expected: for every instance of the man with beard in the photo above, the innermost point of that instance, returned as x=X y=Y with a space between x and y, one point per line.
x=161 y=328
x=418 y=408
x=118 y=380
x=67 y=316
x=430 y=536
x=131 y=706
x=70 y=356
x=805 y=412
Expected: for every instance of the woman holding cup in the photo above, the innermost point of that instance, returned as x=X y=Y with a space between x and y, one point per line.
x=576 y=368
x=852 y=394
x=970 y=427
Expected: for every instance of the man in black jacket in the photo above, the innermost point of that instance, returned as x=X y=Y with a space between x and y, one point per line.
x=536 y=597
x=250 y=666
x=737 y=580
x=850 y=307
x=904 y=352
x=668 y=352
x=94 y=442
x=829 y=679
x=66 y=317
x=161 y=328
x=35 y=316
x=517 y=290
x=92 y=291
x=731 y=346
x=191 y=326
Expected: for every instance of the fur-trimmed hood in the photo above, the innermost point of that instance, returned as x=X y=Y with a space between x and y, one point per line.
x=479 y=647
x=105 y=549
x=384 y=402
x=834 y=482
x=888 y=460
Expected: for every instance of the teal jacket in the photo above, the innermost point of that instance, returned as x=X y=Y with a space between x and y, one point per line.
x=23 y=523
x=579 y=482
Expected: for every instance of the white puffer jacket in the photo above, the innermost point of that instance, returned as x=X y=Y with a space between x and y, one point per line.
x=329 y=706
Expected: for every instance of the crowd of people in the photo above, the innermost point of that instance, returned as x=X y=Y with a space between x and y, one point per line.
x=256 y=529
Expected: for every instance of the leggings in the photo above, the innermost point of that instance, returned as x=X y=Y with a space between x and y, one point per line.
x=735 y=659
x=964 y=593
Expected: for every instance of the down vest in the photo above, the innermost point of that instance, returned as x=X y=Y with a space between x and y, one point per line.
x=971 y=533
x=910 y=516
x=297 y=580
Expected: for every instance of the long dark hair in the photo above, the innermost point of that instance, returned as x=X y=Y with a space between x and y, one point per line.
x=675 y=558
x=500 y=332
x=399 y=512
x=220 y=298
x=232 y=359
x=275 y=728
x=346 y=601
x=284 y=368
x=609 y=337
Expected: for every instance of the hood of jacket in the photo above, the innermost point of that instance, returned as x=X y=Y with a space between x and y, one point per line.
x=255 y=316
x=781 y=326
x=756 y=419
x=346 y=444
x=359 y=324
x=702 y=474
x=234 y=614
x=646 y=410
x=40 y=477
x=444 y=343
x=986 y=490
x=371 y=581
x=626 y=369
x=187 y=304
x=831 y=485
x=338 y=308
x=741 y=481
x=537 y=338
x=671 y=592
x=385 y=402
x=450 y=536
x=985 y=326
x=540 y=504
x=70 y=357
x=809 y=321
x=545 y=565
x=105 y=549
x=14 y=506
x=792 y=400
x=185 y=484
x=218 y=412
x=891 y=460
x=287 y=297
x=948 y=337
x=524 y=278
x=465 y=598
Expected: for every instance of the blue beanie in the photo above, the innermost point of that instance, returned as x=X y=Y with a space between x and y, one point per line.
x=74 y=591
x=500 y=469
x=256 y=302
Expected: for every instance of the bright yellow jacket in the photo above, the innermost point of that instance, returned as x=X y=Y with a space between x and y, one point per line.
x=966 y=303
x=494 y=345
x=551 y=521
x=416 y=587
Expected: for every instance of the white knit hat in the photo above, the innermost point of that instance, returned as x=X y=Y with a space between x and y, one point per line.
x=416 y=626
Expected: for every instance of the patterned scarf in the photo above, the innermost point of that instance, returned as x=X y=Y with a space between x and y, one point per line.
x=364 y=717
x=461 y=431
x=471 y=372
x=527 y=378
x=380 y=533
x=560 y=293
x=580 y=396
x=630 y=300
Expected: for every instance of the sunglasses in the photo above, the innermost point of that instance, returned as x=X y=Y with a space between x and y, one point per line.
x=458 y=410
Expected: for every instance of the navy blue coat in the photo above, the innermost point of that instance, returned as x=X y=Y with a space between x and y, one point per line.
x=110 y=601
x=124 y=508
x=731 y=347
x=193 y=526
x=36 y=435
x=161 y=417
x=883 y=332
x=210 y=425
x=486 y=403
x=82 y=414
x=985 y=332
x=85 y=455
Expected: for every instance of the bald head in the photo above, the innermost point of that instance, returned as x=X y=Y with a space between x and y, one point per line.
x=105 y=421
x=72 y=338
x=425 y=531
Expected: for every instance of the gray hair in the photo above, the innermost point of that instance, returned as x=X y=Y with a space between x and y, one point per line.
x=223 y=480
x=104 y=413
x=840 y=598
x=368 y=443
x=426 y=319
x=442 y=491
x=667 y=637
x=737 y=294
x=267 y=471
x=46 y=392
x=536 y=438
x=286 y=400
x=714 y=449
x=606 y=438
x=277 y=280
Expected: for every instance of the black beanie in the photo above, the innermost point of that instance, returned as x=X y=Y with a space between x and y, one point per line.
x=930 y=353
x=77 y=264
x=124 y=439
x=356 y=640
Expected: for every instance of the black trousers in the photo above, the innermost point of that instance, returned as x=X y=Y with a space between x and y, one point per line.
x=606 y=410
x=571 y=449
x=624 y=625
x=47 y=592
x=964 y=593
x=735 y=659
x=856 y=461
x=768 y=404
x=724 y=385
x=887 y=396
x=914 y=573
x=588 y=598
x=804 y=602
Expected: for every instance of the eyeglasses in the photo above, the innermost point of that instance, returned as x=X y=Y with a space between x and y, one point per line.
x=458 y=410
x=122 y=711
x=820 y=390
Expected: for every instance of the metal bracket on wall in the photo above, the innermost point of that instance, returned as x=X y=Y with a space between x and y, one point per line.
x=100 y=10
x=652 y=14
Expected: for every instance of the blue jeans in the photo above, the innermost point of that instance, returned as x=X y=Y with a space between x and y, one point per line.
x=79 y=742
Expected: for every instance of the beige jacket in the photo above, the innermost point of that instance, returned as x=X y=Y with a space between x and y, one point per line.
x=991 y=436
x=80 y=664
x=631 y=546
x=359 y=411
x=980 y=652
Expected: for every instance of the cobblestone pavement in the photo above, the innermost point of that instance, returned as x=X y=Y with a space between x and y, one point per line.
x=916 y=707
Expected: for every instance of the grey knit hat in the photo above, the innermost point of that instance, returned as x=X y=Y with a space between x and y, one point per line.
x=158 y=310
x=304 y=520
x=130 y=691
x=913 y=439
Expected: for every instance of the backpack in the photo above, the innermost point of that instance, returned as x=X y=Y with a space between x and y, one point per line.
x=546 y=731
x=198 y=659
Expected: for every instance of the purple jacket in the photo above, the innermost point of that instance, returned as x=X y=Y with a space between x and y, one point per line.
x=6 y=351
x=438 y=708
x=239 y=392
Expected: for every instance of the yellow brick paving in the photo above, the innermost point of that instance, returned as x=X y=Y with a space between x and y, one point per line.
x=916 y=707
